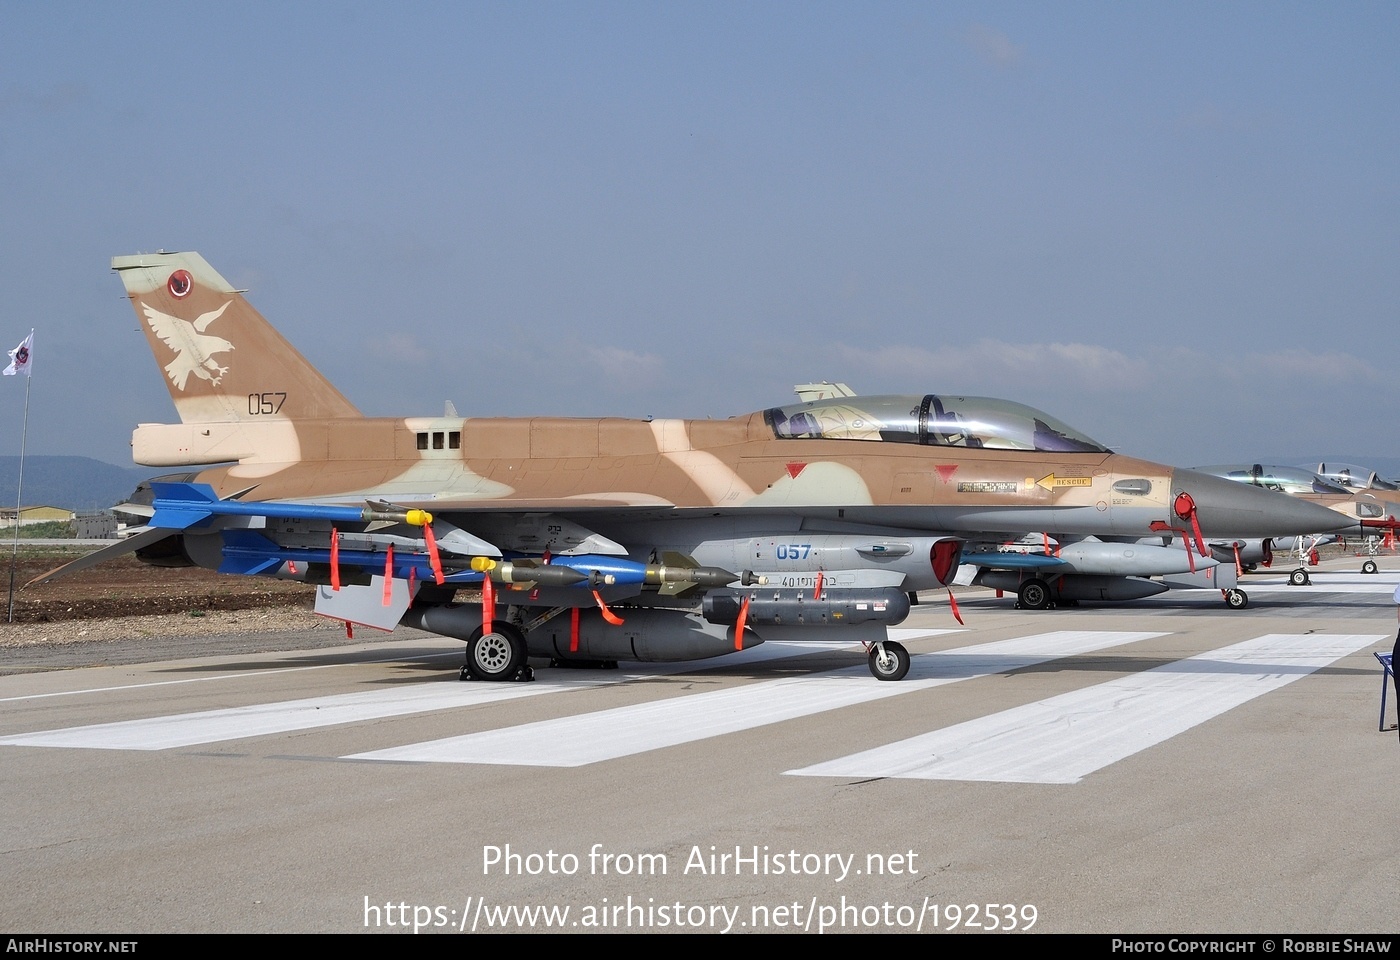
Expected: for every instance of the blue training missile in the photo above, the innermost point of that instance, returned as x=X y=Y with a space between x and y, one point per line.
x=179 y=506
x=249 y=552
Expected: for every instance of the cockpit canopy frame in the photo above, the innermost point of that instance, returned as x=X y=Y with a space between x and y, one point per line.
x=930 y=420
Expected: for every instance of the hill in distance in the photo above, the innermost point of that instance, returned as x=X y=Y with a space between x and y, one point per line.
x=74 y=483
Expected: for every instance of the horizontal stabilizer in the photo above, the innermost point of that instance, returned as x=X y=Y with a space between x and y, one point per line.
x=132 y=543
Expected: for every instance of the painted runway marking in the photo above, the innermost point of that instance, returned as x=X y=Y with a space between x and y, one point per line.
x=1066 y=738
x=236 y=723
x=905 y=634
x=608 y=734
x=1323 y=584
x=226 y=676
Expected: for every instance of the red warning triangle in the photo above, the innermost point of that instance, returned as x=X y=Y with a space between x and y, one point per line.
x=946 y=471
x=794 y=469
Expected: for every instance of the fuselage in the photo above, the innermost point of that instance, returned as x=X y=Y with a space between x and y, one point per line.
x=737 y=466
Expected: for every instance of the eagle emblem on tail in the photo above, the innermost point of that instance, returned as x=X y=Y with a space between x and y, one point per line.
x=194 y=349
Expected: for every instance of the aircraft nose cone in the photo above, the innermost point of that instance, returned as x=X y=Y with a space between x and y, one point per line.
x=1227 y=508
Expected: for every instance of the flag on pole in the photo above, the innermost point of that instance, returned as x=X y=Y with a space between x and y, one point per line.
x=21 y=357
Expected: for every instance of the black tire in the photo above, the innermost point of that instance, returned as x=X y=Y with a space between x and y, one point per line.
x=497 y=655
x=1236 y=599
x=1299 y=578
x=1370 y=567
x=1034 y=594
x=893 y=665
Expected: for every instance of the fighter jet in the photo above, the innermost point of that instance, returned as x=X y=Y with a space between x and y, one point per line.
x=598 y=540
x=1247 y=555
x=1045 y=572
x=1370 y=509
x=1354 y=477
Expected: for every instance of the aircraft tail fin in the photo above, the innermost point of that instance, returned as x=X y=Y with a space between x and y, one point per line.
x=222 y=361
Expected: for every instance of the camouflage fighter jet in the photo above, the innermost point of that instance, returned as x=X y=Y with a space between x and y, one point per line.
x=599 y=540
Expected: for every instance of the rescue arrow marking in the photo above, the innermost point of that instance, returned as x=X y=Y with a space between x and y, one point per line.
x=1051 y=481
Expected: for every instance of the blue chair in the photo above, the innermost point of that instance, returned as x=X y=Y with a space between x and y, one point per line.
x=1387 y=671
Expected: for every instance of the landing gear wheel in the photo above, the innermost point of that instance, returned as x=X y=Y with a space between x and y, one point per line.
x=1034 y=594
x=498 y=655
x=889 y=661
x=1370 y=567
x=1236 y=599
x=1299 y=578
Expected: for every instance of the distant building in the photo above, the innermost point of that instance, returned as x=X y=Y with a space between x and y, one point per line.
x=101 y=525
x=29 y=515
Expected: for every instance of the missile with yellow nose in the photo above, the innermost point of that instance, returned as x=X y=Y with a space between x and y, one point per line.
x=179 y=506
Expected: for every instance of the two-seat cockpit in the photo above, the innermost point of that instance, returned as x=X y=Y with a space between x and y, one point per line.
x=931 y=420
x=1291 y=480
x=1355 y=478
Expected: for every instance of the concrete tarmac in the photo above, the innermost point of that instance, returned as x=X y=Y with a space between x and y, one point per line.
x=1168 y=766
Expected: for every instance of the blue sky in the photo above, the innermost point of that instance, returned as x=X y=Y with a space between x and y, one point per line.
x=1173 y=226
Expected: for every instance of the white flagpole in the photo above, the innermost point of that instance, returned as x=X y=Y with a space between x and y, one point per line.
x=19 y=487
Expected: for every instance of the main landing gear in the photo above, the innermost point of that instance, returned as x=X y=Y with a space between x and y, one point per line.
x=1033 y=594
x=1236 y=599
x=889 y=660
x=499 y=655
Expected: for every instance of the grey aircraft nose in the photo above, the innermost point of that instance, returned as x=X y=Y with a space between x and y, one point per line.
x=1228 y=508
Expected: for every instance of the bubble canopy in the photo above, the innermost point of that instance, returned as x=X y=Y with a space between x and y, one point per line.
x=1293 y=480
x=931 y=420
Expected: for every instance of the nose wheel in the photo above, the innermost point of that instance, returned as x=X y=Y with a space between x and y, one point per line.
x=889 y=660
x=1299 y=578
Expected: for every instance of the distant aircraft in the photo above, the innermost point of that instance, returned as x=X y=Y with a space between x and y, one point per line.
x=598 y=540
x=1249 y=554
x=1374 y=508
x=1049 y=573
x=1354 y=478
x=1361 y=506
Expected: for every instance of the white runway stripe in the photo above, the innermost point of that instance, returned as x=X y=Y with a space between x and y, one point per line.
x=608 y=734
x=1065 y=738
x=236 y=723
x=1320 y=587
x=1324 y=581
x=280 y=671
